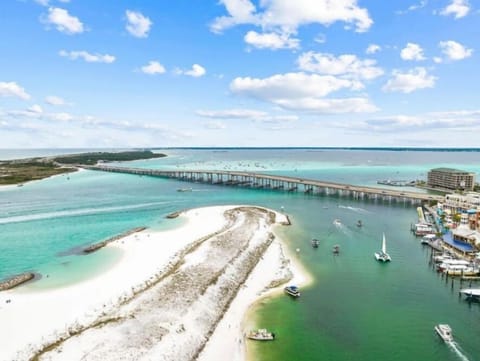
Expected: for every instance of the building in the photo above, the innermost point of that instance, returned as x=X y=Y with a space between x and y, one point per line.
x=453 y=179
x=467 y=206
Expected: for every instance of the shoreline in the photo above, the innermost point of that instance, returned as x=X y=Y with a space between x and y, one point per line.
x=42 y=318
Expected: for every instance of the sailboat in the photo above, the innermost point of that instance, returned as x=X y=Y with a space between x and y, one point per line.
x=383 y=256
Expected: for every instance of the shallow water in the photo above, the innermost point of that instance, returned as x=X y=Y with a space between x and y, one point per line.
x=356 y=309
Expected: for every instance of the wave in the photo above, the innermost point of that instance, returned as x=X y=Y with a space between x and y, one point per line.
x=456 y=348
x=78 y=212
x=354 y=209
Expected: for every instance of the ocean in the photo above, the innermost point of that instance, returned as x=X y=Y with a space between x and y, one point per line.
x=356 y=308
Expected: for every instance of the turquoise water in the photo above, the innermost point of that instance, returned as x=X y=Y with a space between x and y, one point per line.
x=356 y=309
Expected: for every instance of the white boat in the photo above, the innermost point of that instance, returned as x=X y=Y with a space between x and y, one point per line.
x=337 y=222
x=292 y=291
x=445 y=332
x=383 y=256
x=261 y=335
x=471 y=293
x=428 y=238
x=442 y=257
x=453 y=263
x=461 y=270
x=184 y=189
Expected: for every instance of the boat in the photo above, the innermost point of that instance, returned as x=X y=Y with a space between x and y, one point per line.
x=336 y=249
x=292 y=291
x=315 y=243
x=461 y=270
x=445 y=332
x=184 y=189
x=428 y=238
x=422 y=229
x=359 y=223
x=471 y=293
x=382 y=255
x=337 y=222
x=449 y=263
x=261 y=335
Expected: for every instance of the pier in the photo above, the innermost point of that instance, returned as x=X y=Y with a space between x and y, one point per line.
x=277 y=182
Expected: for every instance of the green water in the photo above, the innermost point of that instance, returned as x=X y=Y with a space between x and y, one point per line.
x=356 y=308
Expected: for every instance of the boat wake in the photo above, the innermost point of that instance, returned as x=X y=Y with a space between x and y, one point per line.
x=78 y=212
x=456 y=348
x=354 y=209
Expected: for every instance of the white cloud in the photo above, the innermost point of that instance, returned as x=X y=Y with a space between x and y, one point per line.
x=437 y=59
x=320 y=38
x=9 y=89
x=454 y=50
x=37 y=109
x=289 y=15
x=153 y=67
x=42 y=2
x=247 y=114
x=215 y=124
x=413 y=7
x=412 y=51
x=348 y=65
x=300 y=91
x=64 y=22
x=88 y=57
x=137 y=24
x=271 y=40
x=457 y=8
x=54 y=100
x=61 y=117
x=414 y=79
x=196 y=71
x=373 y=48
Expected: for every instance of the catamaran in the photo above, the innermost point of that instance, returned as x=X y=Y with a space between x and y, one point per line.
x=383 y=256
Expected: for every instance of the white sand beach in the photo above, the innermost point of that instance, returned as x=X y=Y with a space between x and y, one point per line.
x=175 y=294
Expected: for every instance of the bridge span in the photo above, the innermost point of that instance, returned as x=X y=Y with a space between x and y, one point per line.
x=277 y=182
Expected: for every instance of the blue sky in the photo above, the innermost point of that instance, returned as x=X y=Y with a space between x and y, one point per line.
x=89 y=73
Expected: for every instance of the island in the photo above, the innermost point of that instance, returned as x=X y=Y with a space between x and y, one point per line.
x=19 y=171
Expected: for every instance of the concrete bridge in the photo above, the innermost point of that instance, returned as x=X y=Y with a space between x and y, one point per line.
x=283 y=183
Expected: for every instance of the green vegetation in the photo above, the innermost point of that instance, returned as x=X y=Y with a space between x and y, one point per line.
x=93 y=158
x=24 y=170
x=18 y=171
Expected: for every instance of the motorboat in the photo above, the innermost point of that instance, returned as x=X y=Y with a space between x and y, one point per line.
x=315 y=243
x=184 y=189
x=471 y=293
x=337 y=222
x=336 y=249
x=262 y=334
x=359 y=223
x=445 y=332
x=453 y=263
x=461 y=270
x=383 y=256
x=442 y=257
x=428 y=238
x=293 y=291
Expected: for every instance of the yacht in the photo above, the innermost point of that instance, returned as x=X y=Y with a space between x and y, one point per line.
x=445 y=332
x=292 y=291
x=382 y=255
x=337 y=222
x=428 y=238
x=471 y=293
x=261 y=335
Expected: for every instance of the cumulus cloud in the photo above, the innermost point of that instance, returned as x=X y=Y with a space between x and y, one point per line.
x=412 y=51
x=153 y=67
x=454 y=50
x=88 y=57
x=12 y=89
x=138 y=25
x=300 y=91
x=289 y=15
x=64 y=22
x=196 y=71
x=271 y=40
x=347 y=65
x=410 y=81
x=373 y=48
x=457 y=8
x=54 y=100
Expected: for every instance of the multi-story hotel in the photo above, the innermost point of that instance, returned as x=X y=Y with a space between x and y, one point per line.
x=448 y=178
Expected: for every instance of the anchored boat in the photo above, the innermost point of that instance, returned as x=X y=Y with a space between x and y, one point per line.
x=444 y=331
x=261 y=335
x=293 y=291
x=315 y=243
x=471 y=293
